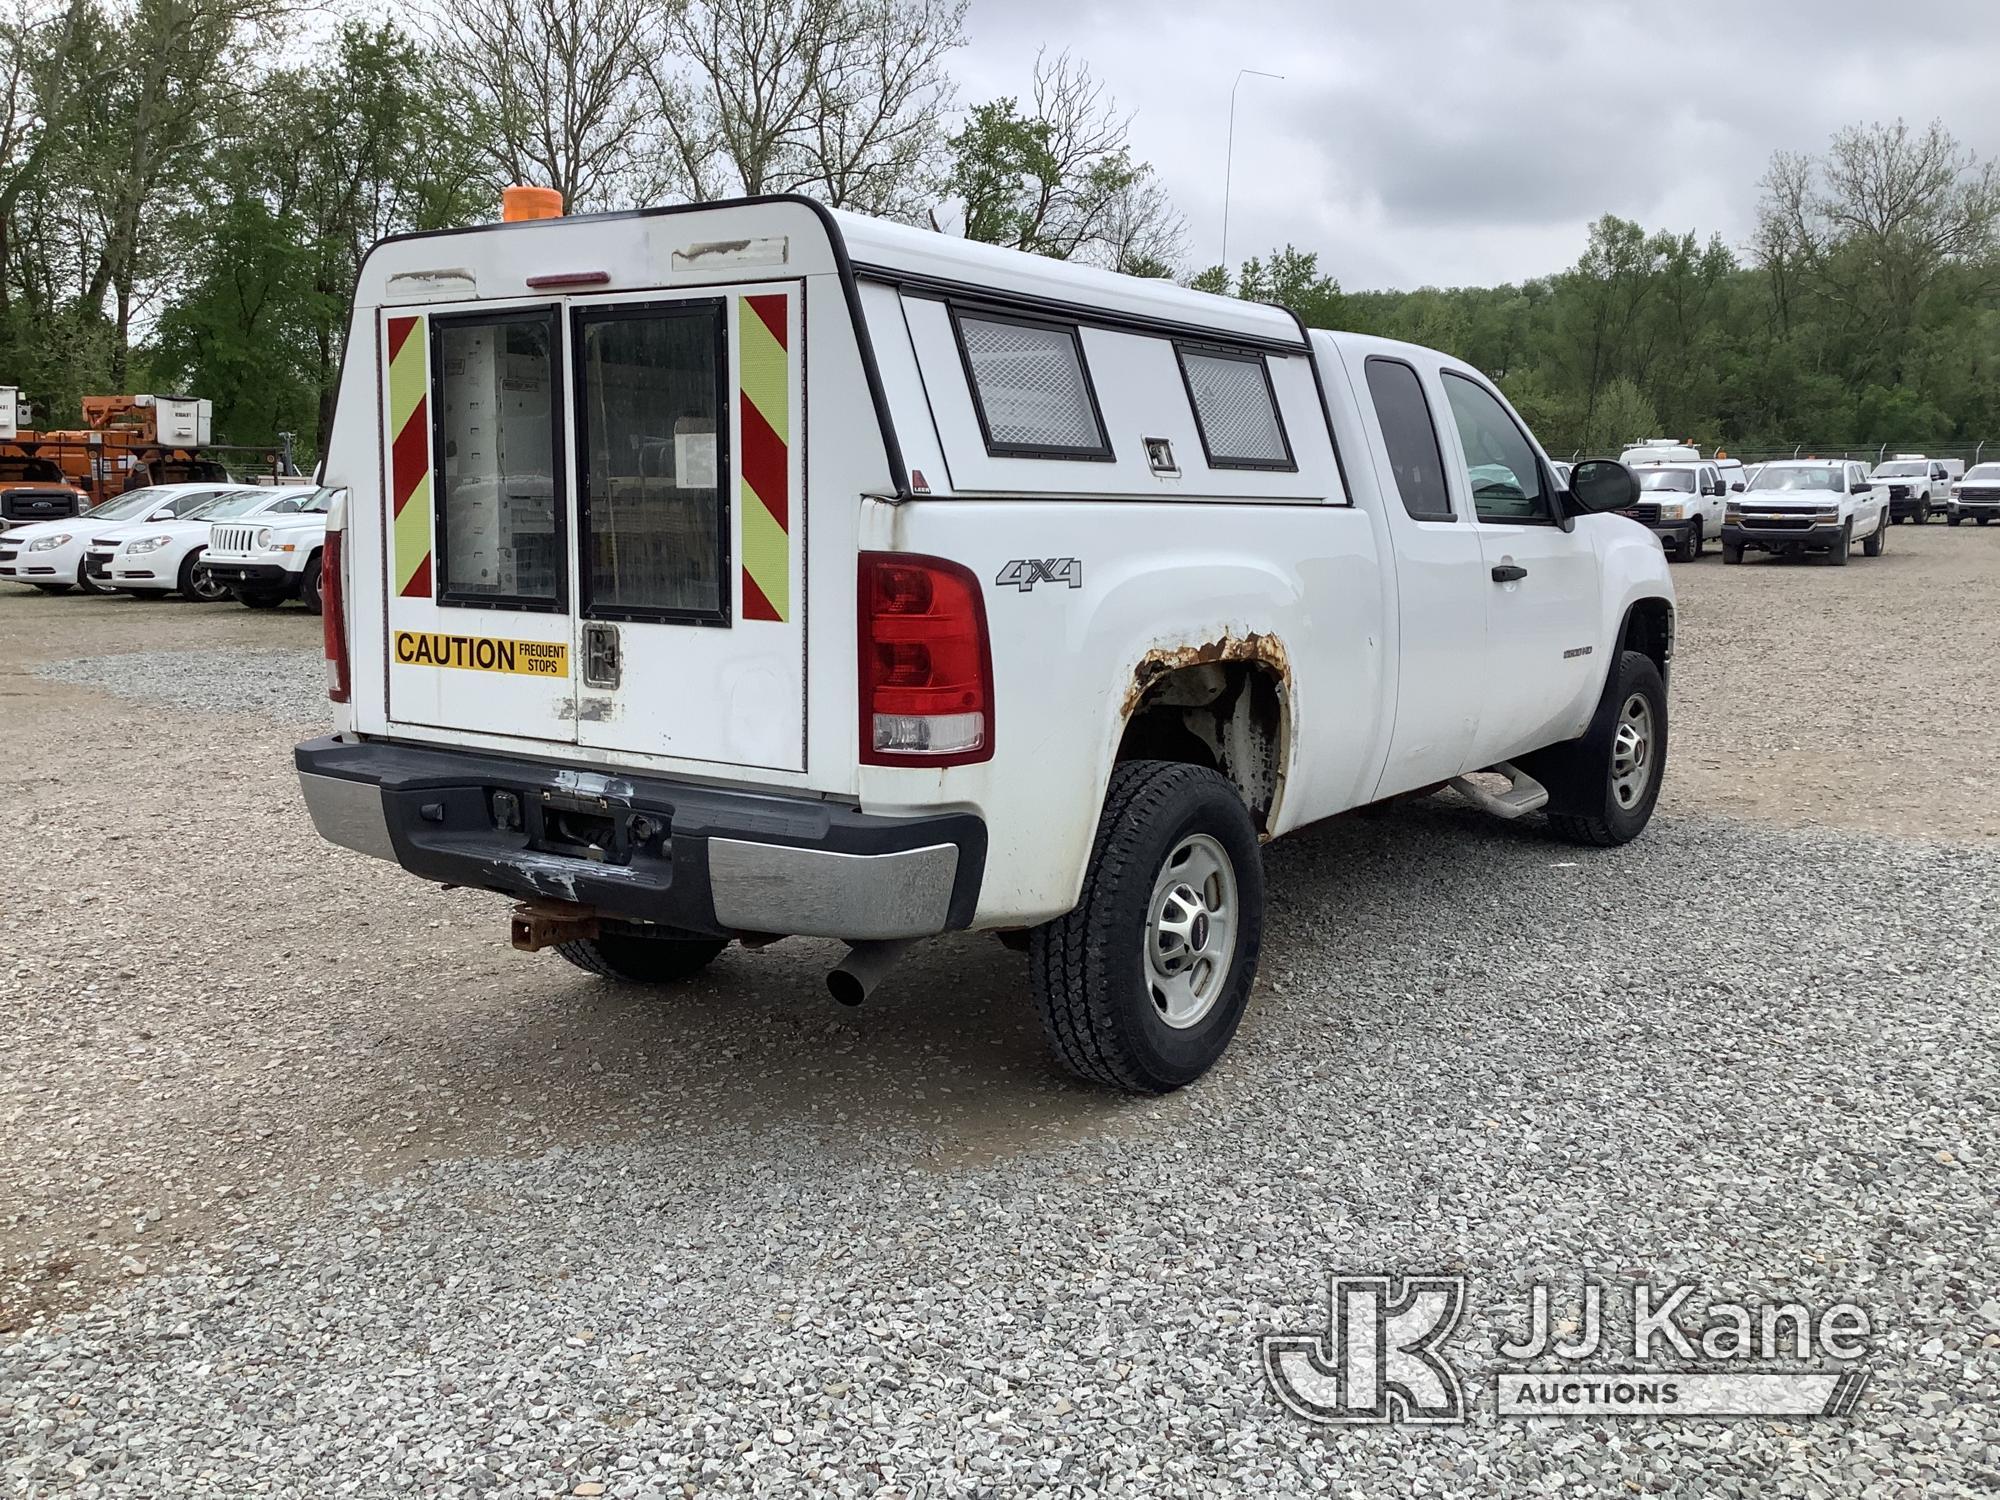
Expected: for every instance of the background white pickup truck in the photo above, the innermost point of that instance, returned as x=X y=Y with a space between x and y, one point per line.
x=750 y=570
x=1808 y=505
x=1918 y=487
x=1681 y=503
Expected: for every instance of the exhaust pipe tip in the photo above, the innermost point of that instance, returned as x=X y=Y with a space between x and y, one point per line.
x=854 y=978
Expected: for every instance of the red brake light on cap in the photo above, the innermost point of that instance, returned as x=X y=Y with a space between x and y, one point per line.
x=925 y=662
x=333 y=616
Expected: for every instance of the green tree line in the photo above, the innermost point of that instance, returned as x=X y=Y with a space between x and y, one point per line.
x=187 y=188
x=1865 y=311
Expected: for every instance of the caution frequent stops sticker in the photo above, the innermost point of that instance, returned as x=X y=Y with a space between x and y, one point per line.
x=480 y=653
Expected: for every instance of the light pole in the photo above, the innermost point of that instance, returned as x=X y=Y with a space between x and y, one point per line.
x=1229 y=154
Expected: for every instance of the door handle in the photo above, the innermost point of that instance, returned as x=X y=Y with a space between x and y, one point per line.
x=1508 y=572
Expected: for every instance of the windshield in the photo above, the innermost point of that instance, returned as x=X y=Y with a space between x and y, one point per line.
x=1985 y=474
x=131 y=503
x=1667 y=479
x=1774 y=478
x=228 y=505
x=30 y=471
x=1896 y=471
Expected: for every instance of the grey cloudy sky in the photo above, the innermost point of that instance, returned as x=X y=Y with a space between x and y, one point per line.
x=1458 y=142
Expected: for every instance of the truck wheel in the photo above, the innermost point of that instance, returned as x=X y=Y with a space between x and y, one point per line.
x=1731 y=555
x=1836 y=555
x=1143 y=984
x=1953 y=520
x=1602 y=787
x=642 y=960
x=1876 y=541
x=1690 y=547
x=1923 y=513
x=196 y=584
x=309 y=586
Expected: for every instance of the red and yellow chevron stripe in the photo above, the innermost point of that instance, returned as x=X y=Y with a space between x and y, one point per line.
x=410 y=456
x=764 y=404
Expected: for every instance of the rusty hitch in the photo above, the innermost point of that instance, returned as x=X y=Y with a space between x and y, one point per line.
x=543 y=924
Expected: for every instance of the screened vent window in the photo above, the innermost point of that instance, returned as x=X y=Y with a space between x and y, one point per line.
x=1029 y=383
x=1236 y=410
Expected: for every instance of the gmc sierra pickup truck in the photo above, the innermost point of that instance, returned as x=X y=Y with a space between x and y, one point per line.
x=740 y=571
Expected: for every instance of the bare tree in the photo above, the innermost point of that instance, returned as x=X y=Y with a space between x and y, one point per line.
x=836 y=98
x=1058 y=178
x=1875 y=224
x=552 y=89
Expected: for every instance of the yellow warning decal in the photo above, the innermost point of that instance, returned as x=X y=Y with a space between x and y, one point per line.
x=479 y=653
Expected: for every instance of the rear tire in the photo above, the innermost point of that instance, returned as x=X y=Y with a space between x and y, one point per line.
x=642 y=960
x=1603 y=786
x=1143 y=984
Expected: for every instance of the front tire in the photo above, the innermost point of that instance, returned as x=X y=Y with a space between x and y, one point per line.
x=53 y=588
x=1877 y=540
x=1143 y=984
x=1690 y=547
x=1836 y=555
x=1731 y=555
x=197 y=585
x=642 y=960
x=1603 y=786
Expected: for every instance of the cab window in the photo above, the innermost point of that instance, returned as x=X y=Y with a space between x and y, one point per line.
x=1505 y=477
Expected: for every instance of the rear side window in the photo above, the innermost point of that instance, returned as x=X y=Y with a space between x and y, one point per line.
x=1030 y=387
x=499 y=538
x=1411 y=438
x=1235 y=408
x=1500 y=463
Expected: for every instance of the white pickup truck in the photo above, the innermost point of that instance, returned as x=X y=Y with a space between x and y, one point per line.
x=739 y=571
x=1919 y=487
x=1797 y=506
x=1681 y=503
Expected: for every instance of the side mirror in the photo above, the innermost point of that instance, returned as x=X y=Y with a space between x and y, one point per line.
x=1736 y=485
x=161 y=515
x=1601 y=484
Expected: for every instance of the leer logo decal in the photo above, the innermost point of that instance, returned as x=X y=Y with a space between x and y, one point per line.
x=479 y=653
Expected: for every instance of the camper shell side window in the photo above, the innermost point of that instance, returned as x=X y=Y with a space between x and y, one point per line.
x=1235 y=407
x=1030 y=385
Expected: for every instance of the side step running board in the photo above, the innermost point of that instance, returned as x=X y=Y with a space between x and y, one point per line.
x=1524 y=794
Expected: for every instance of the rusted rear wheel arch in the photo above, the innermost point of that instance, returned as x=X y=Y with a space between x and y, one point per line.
x=1225 y=704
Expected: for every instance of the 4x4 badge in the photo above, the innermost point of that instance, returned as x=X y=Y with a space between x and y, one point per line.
x=1025 y=572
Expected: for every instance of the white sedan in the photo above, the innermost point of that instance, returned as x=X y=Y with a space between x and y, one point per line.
x=165 y=558
x=50 y=554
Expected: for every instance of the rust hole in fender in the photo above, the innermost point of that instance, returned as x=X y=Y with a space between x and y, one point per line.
x=1225 y=704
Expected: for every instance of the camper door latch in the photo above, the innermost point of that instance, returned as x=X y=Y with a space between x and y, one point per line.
x=602 y=660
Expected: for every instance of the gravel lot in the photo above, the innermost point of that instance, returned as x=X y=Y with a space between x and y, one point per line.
x=309 y=1185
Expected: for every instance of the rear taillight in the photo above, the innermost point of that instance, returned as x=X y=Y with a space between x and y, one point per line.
x=333 y=616
x=926 y=667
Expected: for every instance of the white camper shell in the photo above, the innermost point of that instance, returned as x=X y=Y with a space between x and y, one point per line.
x=748 y=570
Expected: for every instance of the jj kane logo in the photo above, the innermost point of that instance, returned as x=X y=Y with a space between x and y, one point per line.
x=1381 y=1356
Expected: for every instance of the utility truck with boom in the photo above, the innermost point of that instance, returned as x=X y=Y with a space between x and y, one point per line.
x=737 y=571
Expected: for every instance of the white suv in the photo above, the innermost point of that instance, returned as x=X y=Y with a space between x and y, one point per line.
x=270 y=558
x=1802 y=505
